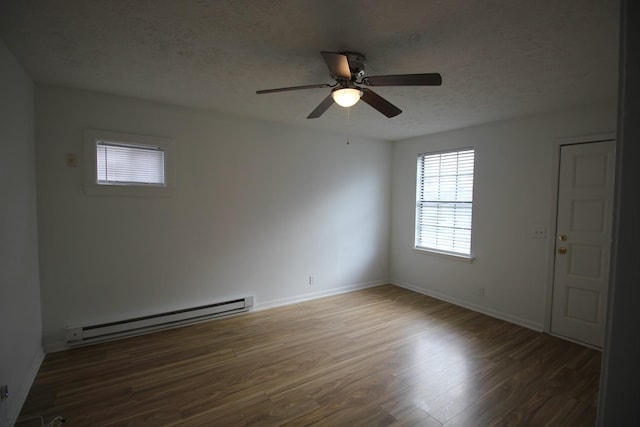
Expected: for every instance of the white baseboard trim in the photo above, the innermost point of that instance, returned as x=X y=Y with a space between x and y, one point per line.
x=55 y=346
x=538 y=327
x=315 y=295
x=15 y=401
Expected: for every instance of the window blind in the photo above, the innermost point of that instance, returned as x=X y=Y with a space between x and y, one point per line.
x=129 y=164
x=445 y=201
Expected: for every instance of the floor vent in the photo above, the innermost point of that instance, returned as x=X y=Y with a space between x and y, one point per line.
x=139 y=325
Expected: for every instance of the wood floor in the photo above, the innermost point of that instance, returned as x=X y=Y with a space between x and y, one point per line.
x=384 y=356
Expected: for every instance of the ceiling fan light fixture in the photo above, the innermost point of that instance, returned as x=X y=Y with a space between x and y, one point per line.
x=346 y=97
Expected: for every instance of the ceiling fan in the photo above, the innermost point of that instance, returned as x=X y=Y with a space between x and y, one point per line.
x=347 y=69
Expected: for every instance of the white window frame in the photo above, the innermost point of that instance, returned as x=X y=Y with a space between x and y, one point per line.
x=419 y=182
x=91 y=185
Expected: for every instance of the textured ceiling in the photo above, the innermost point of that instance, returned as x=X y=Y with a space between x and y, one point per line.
x=498 y=58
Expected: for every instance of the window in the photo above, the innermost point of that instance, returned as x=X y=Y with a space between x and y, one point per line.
x=128 y=164
x=123 y=164
x=444 y=202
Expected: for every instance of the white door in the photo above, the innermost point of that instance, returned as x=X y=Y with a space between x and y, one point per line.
x=583 y=241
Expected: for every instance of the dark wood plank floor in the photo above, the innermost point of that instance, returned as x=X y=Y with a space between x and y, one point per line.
x=378 y=357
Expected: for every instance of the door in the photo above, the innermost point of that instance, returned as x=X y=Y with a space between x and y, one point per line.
x=583 y=241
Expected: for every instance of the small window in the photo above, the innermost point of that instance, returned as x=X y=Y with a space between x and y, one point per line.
x=444 y=202
x=128 y=164
x=124 y=164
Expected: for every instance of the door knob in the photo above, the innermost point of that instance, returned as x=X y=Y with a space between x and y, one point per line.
x=562 y=251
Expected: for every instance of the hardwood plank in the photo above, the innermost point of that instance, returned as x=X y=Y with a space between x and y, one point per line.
x=381 y=356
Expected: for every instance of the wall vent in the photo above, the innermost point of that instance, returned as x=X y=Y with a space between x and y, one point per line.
x=108 y=331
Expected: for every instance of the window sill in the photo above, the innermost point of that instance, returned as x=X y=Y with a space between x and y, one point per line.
x=127 y=190
x=448 y=255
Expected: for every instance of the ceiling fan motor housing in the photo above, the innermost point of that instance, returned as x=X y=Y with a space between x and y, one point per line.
x=357 y=63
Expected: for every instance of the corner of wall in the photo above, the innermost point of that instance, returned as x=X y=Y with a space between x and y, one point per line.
x=17 y=399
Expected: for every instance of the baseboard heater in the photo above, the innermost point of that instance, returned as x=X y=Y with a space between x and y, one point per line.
x=108 y=331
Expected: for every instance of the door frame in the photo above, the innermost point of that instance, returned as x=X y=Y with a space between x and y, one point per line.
x=558 y=143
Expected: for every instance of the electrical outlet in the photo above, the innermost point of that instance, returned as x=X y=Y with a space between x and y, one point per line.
x=539 y=232
x=312 y=280
x=480 y=292
x=4 y=392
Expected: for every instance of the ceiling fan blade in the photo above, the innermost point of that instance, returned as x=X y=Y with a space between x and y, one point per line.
x=338 y=64
x=379 y=103
x=320 y=109
x=285 y=89
x=427 y=79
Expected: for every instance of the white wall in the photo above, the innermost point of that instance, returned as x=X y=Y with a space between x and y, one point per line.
x=20 y=322
x=257 y=209
x=512 y=194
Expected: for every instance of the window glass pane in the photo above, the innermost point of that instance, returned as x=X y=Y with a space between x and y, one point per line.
x=444 y=201
x=124 y=164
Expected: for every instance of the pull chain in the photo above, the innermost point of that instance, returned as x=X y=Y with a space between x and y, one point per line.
x=348 y=124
